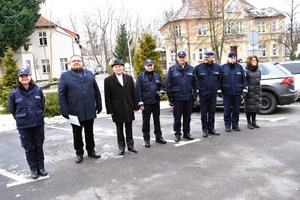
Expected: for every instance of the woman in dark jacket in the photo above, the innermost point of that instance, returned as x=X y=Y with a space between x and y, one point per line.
x=26 y=103
x=253 y=97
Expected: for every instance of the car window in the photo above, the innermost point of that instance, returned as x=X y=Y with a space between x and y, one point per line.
x=263 y=69
x=292 y=67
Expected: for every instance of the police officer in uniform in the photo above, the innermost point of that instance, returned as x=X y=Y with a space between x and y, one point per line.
x=26 y=103
x=180 y=85
x=149 y=88
x=208 y=76
x=233 y=85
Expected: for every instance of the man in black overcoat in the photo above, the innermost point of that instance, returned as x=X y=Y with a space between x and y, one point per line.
x=121 y=102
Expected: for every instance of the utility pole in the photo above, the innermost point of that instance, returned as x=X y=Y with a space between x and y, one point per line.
x=129 y=54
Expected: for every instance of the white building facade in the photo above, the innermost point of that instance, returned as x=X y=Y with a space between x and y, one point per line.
x=48 y=50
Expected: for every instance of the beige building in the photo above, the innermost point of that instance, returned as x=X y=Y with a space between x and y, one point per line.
x=245 y=30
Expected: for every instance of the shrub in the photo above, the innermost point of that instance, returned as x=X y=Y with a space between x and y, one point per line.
x=51 y=106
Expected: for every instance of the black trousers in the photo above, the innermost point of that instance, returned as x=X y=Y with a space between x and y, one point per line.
x=155 y=110
x=89 y=136
x=208 y=109
x=32 y=140
x=120 y=135
x=184 y=109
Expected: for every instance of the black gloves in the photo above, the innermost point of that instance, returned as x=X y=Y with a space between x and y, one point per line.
x=220 y=95
x=66 y=116
x=99 y=111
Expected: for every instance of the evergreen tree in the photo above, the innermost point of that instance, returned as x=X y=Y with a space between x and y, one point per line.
x=18 y=18
x=121 y=50
x=147 y=46
x=9 y=79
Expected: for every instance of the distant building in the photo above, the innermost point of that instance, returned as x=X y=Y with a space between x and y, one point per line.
x=48 y=50
x=189 y=31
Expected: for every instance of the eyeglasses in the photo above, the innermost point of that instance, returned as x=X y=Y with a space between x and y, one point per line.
x=75 y=61
x=254 y=60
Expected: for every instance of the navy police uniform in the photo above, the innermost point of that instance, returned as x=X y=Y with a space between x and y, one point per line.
x=180 y=85
x=27 y=107
x=233 y=85
x=148 y=86
x=208 y=77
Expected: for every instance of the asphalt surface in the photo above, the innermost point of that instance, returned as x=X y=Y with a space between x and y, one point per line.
x=254 y=164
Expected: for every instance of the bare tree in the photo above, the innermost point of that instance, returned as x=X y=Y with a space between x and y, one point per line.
x=92 y=36
x=221 y=17
x=291 y=38
x=170 y=18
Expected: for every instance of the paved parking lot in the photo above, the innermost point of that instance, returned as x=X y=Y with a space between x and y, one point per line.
x=252 y=164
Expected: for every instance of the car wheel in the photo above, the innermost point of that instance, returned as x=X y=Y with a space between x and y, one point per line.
x=268 y=103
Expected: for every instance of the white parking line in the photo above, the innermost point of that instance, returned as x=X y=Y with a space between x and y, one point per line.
x=181 y=143
x=19 y=179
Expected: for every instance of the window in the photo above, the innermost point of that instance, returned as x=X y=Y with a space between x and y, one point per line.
x=27 y=64
x=233 y=7
x=43 y=39
x=228 y=27
x=173 y=55
x=240 y=27
x=263 y=50
x=202 y=29
x=63 y=64
x=262 y=27
x=201 y=54
x=274 y=50
x=178 y=31
x=45 y=65
x=274 y=26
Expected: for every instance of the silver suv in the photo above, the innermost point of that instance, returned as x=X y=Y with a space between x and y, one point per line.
x=277 y=87
x=294 y=68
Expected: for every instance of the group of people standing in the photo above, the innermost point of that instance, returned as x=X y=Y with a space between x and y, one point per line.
x=208 y=80
x=80 y=96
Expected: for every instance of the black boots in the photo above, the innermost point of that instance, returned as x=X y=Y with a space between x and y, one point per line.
x=254 y=124
x=249 y=124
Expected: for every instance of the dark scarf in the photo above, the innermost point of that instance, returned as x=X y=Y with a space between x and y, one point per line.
x=252 y=67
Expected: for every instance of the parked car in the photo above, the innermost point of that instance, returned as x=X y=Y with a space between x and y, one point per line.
x=277 y=87
x=93 y=69
x=294 y=68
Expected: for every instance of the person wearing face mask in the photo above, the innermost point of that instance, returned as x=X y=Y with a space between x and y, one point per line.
x=79 y=95
x=27 y=103
x=149 y=88
x=208 y=76
x=121 y=103
x=253 y=97
x=233 y=86
x=181 y=83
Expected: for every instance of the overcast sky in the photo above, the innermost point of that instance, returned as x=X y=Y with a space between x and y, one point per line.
x=146 y=9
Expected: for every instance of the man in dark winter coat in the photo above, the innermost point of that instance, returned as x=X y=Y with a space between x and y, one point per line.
x=180 y=85
x=233 y=85
x=149 y=88
x=253 y=97
x=80 y=96
x=208 y=76
x=121 y=102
